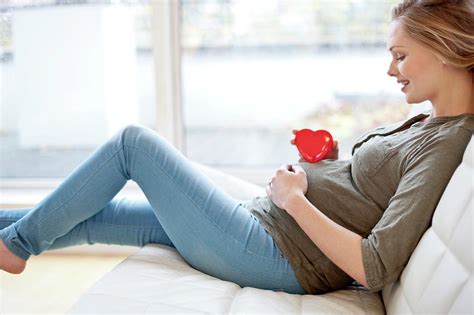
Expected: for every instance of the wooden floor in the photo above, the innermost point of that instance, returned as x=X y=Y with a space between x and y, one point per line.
x=52 y=283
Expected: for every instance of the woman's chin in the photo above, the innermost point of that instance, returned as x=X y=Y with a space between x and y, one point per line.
x=413 y=100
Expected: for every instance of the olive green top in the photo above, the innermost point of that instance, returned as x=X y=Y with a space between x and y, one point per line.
x=386 y=192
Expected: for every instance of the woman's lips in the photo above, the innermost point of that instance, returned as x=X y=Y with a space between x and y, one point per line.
x=404 y=88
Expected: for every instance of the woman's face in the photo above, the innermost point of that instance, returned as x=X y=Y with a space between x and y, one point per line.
x=416 y=67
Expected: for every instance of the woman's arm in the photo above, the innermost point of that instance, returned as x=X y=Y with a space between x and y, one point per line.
x=342 y=246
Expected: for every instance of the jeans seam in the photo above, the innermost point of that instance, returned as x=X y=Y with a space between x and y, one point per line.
x=83 y=185
x=105 y=223
x=197 y=206
x=132 y=226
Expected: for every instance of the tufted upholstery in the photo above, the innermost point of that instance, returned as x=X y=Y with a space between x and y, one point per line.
x=437 y=279
x=438 y=276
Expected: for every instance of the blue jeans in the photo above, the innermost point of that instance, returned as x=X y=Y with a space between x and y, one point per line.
x=184 y=209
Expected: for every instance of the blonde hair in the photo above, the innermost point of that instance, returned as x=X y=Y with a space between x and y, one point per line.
x=445 y=27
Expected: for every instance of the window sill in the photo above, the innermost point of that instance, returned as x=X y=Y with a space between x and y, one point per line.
x=28 y=192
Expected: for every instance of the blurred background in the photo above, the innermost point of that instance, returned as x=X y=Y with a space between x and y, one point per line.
x=72 y=72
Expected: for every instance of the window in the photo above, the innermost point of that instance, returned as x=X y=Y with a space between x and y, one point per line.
x=71 y=74
x=251 y=71
x=254 y=70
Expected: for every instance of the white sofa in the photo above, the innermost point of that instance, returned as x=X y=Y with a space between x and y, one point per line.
x=437 y=279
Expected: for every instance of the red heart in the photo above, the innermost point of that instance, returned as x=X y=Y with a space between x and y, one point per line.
x=313 y=145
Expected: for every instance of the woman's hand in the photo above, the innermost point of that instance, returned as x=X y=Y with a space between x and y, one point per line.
x=287 y=183
x=333 y=154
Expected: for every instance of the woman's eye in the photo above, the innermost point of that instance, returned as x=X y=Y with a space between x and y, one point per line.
x=401 y=58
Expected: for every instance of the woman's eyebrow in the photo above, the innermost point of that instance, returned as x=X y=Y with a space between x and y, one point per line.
x=390 y=49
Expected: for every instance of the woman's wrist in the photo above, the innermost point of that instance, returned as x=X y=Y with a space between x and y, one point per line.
x=295 y=203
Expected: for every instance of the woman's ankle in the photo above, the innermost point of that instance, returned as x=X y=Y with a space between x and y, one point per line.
x=9 y=262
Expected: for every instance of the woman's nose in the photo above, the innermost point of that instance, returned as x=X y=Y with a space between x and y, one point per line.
x=391 y=70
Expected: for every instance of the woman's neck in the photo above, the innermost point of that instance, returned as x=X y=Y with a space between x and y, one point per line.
x=457 y=99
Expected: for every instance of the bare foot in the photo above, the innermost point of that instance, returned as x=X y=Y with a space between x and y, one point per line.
x=10 y=262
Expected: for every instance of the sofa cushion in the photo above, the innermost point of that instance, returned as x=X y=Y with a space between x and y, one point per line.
x=156 y=279
x=438 y=276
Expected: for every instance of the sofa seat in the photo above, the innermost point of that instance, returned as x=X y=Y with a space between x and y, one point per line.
x=156 y=279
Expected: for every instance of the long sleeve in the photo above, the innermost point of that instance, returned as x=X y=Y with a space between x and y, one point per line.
x=388 y=247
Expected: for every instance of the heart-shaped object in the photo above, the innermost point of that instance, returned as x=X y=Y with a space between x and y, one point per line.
x=313 y=145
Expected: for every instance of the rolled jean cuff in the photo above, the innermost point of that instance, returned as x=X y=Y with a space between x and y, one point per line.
x=9 y=237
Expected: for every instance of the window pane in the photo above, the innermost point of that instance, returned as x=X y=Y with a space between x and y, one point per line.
x=255 y=70
x=72 y=74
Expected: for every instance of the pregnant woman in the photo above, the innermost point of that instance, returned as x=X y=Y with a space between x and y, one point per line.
x=320 y=226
